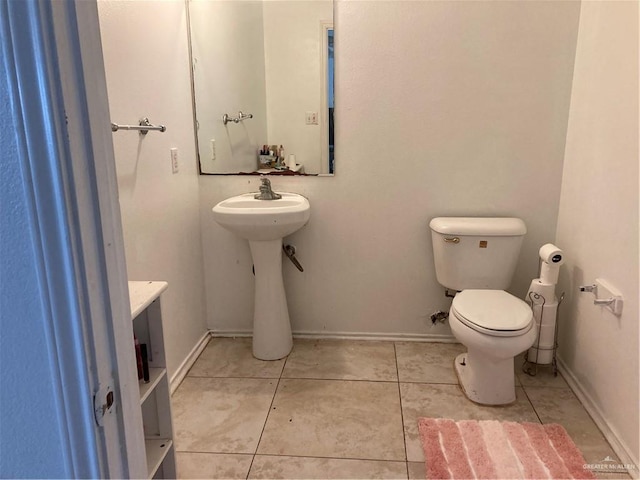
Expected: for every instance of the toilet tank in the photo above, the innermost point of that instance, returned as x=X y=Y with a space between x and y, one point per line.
x=476 y=252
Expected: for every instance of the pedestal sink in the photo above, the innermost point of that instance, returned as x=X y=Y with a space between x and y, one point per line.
x=265 y=223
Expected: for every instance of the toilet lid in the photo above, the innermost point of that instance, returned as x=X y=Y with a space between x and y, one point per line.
x=492 y=310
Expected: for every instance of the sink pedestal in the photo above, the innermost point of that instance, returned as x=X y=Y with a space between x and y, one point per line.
x=272 y=338
x=265 y=223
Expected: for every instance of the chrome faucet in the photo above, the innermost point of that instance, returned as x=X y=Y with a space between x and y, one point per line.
x=265 y=190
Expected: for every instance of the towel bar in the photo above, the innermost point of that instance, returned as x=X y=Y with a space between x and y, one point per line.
x=143 y=127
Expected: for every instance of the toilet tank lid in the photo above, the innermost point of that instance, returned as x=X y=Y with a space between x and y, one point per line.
x=485 y=226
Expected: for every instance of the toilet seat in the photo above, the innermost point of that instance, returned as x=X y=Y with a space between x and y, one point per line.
x=493 y=312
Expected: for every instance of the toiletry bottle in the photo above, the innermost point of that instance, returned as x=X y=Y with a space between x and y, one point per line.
x=281 y=157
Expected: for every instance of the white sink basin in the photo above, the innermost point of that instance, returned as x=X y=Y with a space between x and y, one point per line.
x=263 y=219
x=265 y=223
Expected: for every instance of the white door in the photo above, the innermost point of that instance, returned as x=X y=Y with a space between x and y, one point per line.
x=53 y=59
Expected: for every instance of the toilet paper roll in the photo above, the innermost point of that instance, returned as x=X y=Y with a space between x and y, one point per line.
x=543 y=356
x=549 y=273
x=551 y=254
x=540 y=293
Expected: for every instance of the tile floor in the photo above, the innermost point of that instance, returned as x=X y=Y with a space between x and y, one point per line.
x=342 y=409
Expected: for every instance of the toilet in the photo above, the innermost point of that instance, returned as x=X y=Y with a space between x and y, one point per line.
x=476 y=258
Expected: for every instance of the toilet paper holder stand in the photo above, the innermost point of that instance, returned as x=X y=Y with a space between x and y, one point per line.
x=530 y=367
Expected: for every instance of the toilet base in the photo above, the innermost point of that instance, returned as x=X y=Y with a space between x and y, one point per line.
x=485 y=380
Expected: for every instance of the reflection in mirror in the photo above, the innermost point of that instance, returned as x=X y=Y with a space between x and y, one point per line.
x=268 y=66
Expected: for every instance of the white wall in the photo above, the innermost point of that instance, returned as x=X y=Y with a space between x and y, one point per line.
x=147 y=67
x=228 y=50
x=598 y=218
x=442 y=108
x=292 y=45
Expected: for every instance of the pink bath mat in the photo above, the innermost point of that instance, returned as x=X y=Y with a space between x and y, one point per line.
x=491 y=449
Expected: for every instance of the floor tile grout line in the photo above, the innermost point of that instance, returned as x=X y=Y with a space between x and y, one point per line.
x=331 y=379
x=233 y=376
x=273 y=399
x=245 y=454
x=249 y=454
x=428 y=383
x=343 y=379
x=404 y=436
x=524 y=390
x=361 y=459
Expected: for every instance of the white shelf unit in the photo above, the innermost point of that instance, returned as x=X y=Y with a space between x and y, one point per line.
x=155 y=404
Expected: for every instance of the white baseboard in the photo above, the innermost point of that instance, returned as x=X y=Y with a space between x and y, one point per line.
x=397 y=337
x=188 y=362
x=231 y=333
x=618 y=446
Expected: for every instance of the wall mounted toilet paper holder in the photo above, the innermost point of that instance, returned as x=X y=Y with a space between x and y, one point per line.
x=605 y=295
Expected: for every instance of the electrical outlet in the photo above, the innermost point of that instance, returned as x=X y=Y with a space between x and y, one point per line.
x=213 y=150
x=311 y=118
x=174 y=160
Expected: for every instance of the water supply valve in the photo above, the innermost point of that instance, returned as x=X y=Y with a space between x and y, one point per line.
x=290 y=252
x=439 y=317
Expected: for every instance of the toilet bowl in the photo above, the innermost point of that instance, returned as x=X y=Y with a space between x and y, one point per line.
x=495 y=326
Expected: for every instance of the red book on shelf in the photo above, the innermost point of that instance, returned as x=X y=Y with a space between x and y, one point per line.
x=138 y=356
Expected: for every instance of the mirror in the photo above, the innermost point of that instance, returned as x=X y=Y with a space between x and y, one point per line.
x=263 y=77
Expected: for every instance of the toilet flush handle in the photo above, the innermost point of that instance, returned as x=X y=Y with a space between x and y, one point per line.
x=452 y=239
